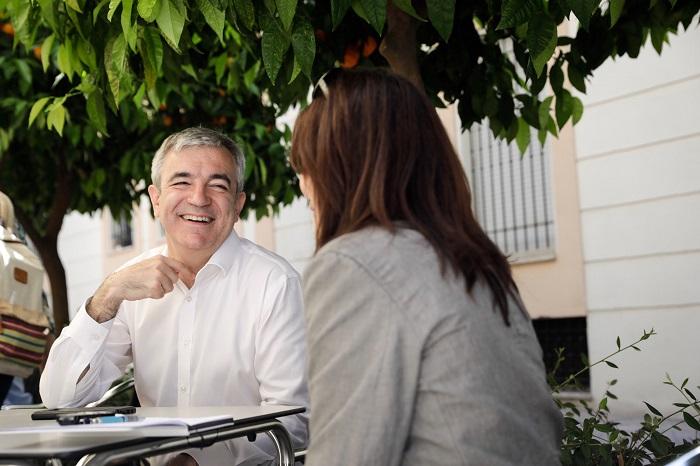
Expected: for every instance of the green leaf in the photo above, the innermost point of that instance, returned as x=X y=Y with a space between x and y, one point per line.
x=151 y=50
x=563 y=107
x=96 y=111
x=46 y=49
x=65 y=61
x=543 y=111
x=304 y=46
x=274 y=46
x=541 y=40
x=613 y=365
x=407 y=7
x=603 y=405
x=171 y=21
x=245 y=11
x=658 y=36
x=56 y=119
x=148 y=9
x=523 y=136
x=116 y=65
x=374 y=12
x=576 y=78
x=442 y=16
x=113 y=5
x=296 y=69
x=583 y=9
x=129 y=30
x=556 y=77
x=653 y=410
x=338 y=10
x=576 y=114
x=286 y=10
x=48 y=11
x=691 y=421
x=74 y=5
x=616 y=7
x=24 y=71
x=515 y=12
x=214 y=17
x=36 y=109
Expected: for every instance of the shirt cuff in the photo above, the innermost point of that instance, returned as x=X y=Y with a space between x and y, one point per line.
x=87 y=332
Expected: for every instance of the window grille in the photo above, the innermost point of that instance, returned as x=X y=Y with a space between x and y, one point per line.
x=512 y=193
x=121 y=233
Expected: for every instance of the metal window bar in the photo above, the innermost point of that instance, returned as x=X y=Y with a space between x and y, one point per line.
x=512 y=193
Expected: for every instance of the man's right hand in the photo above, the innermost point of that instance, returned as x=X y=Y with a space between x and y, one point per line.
x=151 y=278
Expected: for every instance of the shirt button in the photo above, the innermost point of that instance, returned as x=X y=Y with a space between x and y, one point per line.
x=188 y=298
x=183 y=388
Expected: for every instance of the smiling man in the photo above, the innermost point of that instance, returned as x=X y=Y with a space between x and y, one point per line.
x=208 y=319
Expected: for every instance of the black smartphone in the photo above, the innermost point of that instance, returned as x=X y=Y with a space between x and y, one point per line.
x=51 y=414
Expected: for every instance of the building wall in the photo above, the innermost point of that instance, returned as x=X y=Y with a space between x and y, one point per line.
x=638 y=149
x=80 y=249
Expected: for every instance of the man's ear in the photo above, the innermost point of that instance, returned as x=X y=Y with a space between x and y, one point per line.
x=154 y=194
x=238 y=204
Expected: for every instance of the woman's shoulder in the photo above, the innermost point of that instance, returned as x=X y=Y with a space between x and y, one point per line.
x=375 y=243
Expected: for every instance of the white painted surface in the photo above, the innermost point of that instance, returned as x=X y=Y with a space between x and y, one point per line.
x=294 y=234
x=662 y=169
x=638 y=148
x=653 y=227
x=644 y=118
x=81 y=250
x=659 y=280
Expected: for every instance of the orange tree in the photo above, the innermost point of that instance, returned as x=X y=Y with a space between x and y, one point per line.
x=121 y=61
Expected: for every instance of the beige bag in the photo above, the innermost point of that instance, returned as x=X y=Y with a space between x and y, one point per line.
x=23 y=324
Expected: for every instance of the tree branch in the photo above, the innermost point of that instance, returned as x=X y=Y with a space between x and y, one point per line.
x=400 y=46
x=61 y=198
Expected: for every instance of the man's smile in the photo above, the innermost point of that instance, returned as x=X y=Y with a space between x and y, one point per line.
x=197 y=218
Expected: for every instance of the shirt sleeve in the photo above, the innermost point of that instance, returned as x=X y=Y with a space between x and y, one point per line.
x=105 y=347
x=362 y=373
x=280 y=356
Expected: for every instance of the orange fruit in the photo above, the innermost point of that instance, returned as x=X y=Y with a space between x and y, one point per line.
x=37 y=52
x=369 y=46
x=167 y=120
x=8 y=29
x=351 y=57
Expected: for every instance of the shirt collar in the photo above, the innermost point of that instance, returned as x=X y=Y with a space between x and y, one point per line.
x=223 y=257
x=226 y=254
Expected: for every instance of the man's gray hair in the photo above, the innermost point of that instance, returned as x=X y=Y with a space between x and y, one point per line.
x=198 y=137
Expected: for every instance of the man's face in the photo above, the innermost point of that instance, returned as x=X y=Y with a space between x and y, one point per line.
x=197 y=203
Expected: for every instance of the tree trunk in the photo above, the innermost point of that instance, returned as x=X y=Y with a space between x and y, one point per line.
x=400 y=46
x=48 y=250
x=46 y=241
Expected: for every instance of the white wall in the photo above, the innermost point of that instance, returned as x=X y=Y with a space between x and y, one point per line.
x=81 y=250
x=638 y=148
x=294 y=234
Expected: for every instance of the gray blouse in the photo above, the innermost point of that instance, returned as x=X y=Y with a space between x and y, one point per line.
x=406 y=368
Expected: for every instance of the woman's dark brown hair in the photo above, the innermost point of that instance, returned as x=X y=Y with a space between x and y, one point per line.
x=376 y=153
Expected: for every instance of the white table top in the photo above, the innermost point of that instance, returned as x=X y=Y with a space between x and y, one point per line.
x=59 y=442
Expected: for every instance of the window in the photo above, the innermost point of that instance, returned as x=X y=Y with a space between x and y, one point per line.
x=512 y=193
x=121 y=233
x=569 y=334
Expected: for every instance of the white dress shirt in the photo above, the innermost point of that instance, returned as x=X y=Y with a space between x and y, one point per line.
x=235 y=338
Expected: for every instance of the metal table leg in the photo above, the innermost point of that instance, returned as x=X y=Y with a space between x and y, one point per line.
x=274 y=429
